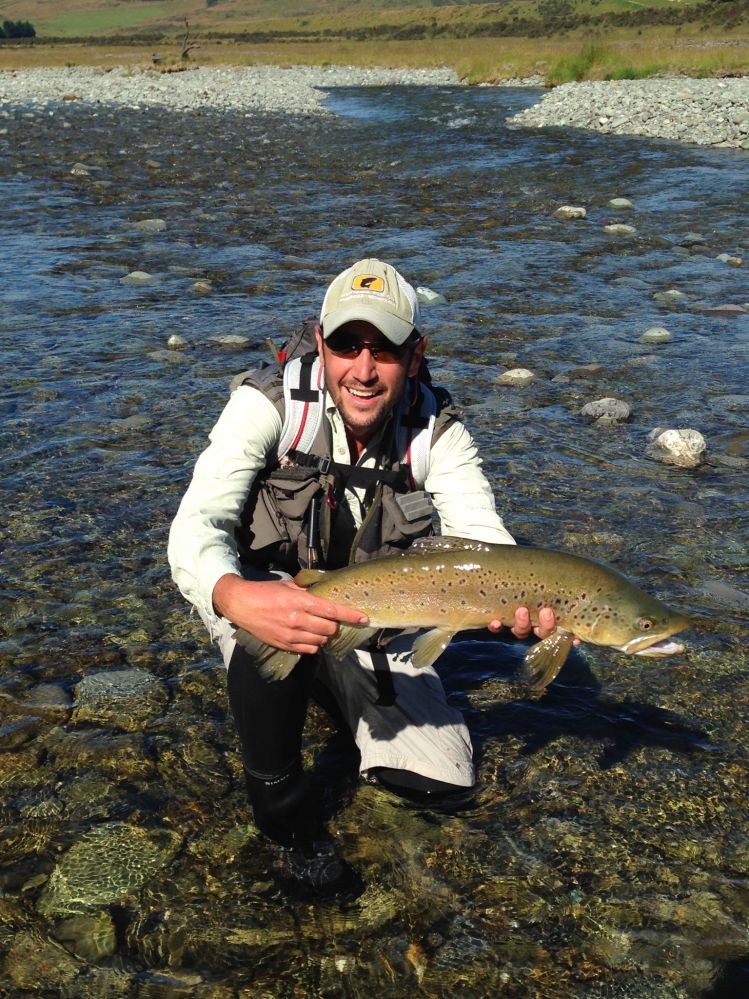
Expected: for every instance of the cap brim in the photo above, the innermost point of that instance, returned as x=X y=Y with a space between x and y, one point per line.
x=396 y=330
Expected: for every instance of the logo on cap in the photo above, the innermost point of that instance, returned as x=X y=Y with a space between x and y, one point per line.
x=368 y=282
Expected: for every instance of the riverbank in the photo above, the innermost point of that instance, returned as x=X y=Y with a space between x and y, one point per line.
x=296 y=90
x=703 y=112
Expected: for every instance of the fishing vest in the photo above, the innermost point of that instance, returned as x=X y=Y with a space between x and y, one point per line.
x=296 y=516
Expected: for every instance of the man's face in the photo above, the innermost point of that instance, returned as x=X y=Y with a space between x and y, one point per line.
x=364 y=387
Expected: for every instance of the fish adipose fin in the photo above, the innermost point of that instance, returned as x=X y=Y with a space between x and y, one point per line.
x=429 y=647
x=272 y=664
x=545 y=659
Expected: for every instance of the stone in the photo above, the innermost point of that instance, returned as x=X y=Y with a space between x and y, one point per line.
x=620 y=229
x=606 y=411
x=428 y=297
x=656 y=334
x=150 y=225
x=176 y=342
x=516 y=376
x=127 y=699
x=620 y=204
x=726 y=310
x=729 y=258
x=683 y=447
x=201 y=287
x=670 y=297
x=570 y=212
x=231 y=340
x=136 y=278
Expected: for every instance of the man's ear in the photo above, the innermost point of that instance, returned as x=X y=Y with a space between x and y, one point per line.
x=318 y=337
x=416 y=356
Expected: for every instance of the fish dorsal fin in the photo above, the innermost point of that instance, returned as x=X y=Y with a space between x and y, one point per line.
x=448 y=543
x=306 y=577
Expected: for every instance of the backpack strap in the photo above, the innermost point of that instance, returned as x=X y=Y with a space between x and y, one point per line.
x=303 y=403
x=416 y=420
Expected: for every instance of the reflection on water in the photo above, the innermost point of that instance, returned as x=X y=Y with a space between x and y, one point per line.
x=607 y=851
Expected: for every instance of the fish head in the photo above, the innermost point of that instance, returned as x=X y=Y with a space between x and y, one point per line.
x=637 y=624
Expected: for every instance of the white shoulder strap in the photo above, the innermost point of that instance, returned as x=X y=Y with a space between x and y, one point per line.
x=415 y=429
x=303 y=397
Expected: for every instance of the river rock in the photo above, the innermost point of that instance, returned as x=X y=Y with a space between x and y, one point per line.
x=428 y=297
x=150 y=225
x=620 y=229
x=202 y=287
x=656 y=334
x=620 y=204
x=107 y=865
x=683 y=447
x=127 y=699
x=231 y=340
x=670 y=297
x=726 y=310
x=570 y=212
x=516 y=377
x=176 y=342
x=40 y=965
x=137 y=278
x=606 y=411
x=729 y=258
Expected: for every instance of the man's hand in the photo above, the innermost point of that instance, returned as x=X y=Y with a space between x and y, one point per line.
x=522 y=627
x=280 y=613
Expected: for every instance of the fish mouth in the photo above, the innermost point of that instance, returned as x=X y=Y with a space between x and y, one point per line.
x=659 y=648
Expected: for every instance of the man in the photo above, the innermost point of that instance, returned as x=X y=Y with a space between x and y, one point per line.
x=349 y=463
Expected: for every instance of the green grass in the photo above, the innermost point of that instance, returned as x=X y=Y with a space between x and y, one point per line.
x=86 y=23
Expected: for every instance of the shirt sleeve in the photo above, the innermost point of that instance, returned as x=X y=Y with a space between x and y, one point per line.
x=202 y=546
x=461 y=492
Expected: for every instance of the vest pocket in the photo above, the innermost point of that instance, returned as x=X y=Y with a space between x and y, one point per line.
x=405 y=515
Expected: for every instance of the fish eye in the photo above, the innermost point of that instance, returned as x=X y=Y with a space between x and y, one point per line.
x=644 y=623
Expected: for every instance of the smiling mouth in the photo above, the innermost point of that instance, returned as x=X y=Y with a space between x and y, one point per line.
x=362 y=393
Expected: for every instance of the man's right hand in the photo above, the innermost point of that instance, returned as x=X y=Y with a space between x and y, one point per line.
x=281 y=614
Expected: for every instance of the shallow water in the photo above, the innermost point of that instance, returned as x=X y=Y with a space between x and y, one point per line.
x=607 y=852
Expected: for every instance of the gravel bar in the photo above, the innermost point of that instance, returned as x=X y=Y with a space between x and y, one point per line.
x=296 y=90
x=703 y=112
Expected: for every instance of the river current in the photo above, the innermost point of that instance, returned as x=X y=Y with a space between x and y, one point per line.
x=606 y=853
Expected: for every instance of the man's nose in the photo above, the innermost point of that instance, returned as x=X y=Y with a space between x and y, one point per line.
x=364 y=367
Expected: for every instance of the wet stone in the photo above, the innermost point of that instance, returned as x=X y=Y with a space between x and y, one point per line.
x=620 y=229
x=570 y=212
x=137 y=278
x=670 y=297
x=38 y=964
x=516 y=377
x=606 y=411
x=231 y=340
x=684 y=447
x=656 y=334
x=89 y=937
x=176 y=342
x=128 y=699
x=428 y=297
x=150 y=225
x=620 y=204
x=108 y=865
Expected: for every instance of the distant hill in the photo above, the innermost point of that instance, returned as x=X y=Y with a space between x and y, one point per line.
x=104 y=18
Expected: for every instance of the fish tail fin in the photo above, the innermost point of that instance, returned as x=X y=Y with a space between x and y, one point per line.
x=272 y=664
x=348 y=638
x=545 y=659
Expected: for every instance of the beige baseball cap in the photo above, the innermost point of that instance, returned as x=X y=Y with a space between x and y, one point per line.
x=375 y=292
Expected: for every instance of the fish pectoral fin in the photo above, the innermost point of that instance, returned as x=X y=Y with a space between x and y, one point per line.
x=348 y=639
x=545 y=659
x=306 y=577
x=272 y=664
x=429 y=647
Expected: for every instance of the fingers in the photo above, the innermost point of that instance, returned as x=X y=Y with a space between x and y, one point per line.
x=547 y=622
x=522 y=627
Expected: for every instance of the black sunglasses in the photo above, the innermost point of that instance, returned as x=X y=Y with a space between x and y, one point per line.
x=383 y=351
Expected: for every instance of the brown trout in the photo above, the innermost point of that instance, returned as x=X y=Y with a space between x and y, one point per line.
x=447 y=585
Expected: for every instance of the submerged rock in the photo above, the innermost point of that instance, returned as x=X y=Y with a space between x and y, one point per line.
x=109 y=864
x=570 y=212
x=606 y=411
x=656 y=334
x=428 y=297
x=516 y=376
x=137 y=278
x=124 y=698
x=685 y=447
x=150 y=225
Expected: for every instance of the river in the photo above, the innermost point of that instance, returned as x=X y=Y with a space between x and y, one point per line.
x=607 y=851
